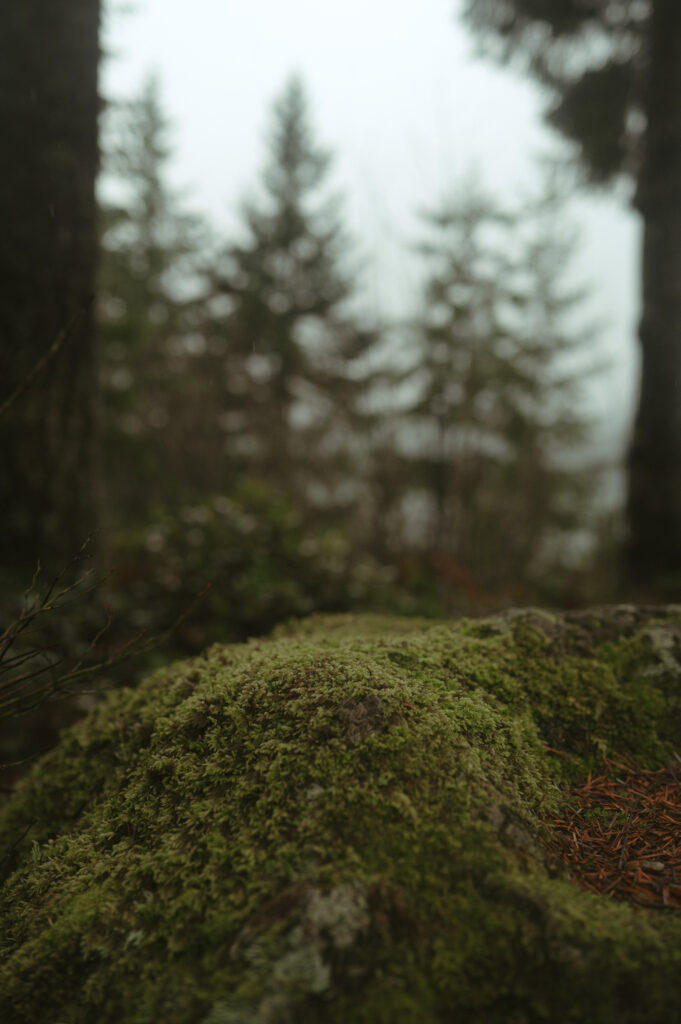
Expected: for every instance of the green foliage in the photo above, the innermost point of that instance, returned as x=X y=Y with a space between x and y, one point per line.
x=612 y=72
x=293 y=346
x=587 y=56
x=592 y=112
x=262 y=562
x=149 y=314
x=497 y=375
x=251 y=365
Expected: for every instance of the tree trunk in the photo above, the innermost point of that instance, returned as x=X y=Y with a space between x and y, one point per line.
x=654 y=499
x=49 y=52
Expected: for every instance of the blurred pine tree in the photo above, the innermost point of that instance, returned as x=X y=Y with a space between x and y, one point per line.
x=498 y=365
x=158 y=433
x=297 y=353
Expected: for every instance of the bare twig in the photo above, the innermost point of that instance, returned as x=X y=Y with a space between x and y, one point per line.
x=625 y=842
x=44 y=361
x=34 y=675
x=18 y=840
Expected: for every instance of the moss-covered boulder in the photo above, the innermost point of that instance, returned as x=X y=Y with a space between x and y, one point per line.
x=343 y=823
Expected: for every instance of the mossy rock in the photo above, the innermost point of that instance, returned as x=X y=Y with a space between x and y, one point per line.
x=343 y=823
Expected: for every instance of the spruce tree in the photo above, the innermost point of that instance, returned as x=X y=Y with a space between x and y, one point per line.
x=496 y=418
x=150 y=318
x=613 y=73
x=294 y=346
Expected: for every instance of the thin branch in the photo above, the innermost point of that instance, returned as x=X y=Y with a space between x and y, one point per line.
x=28 y=688
x=47 y=357
x=18 y=840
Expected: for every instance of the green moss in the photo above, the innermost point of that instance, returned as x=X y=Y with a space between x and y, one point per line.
x=340 y=824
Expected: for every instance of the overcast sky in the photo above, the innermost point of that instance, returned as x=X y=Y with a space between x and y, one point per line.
x=399 y=95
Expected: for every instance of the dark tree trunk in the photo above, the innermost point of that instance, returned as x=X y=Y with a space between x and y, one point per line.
x=49 y=51
x=654 y=499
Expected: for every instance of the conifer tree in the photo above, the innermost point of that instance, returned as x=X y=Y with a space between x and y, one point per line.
x=613 y=72
x=496 y=412
x=293 y=343
x=149 y=316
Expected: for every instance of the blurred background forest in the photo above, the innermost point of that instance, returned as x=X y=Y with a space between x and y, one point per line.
x=206 y=432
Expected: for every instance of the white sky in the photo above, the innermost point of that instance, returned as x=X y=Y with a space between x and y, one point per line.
x=399 y=95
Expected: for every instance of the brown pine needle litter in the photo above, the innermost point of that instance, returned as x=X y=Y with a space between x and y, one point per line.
x=621 y=833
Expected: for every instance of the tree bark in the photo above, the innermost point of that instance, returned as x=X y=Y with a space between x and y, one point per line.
x=49 y=52
x=654 y=498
